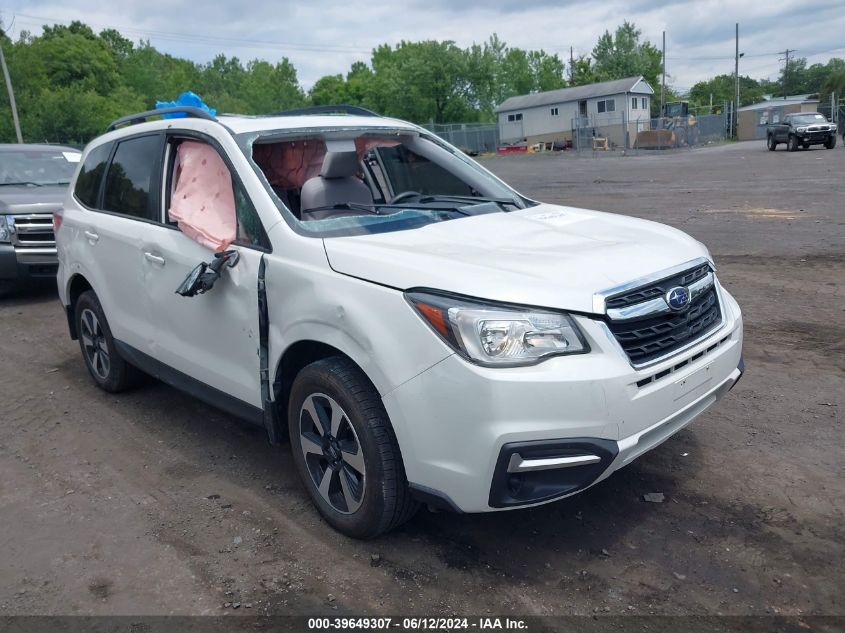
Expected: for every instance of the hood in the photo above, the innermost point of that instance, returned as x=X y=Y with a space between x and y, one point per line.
x=30 y=199
x=550 y=256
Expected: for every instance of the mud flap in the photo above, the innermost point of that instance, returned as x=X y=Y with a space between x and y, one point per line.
x=275 y=433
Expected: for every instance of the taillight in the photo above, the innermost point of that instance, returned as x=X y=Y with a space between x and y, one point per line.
x=57 y=220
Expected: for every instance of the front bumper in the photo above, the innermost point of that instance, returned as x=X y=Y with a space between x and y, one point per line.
x=27 y=264
x=458 y=424
x=816 y=138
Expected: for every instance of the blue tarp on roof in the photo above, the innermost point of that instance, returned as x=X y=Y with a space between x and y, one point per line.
x=187 y=98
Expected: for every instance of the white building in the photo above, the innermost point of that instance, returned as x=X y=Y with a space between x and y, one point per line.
x=610 y=108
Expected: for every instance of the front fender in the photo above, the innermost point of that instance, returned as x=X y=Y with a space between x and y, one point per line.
x=372 y=324
x=327 y=334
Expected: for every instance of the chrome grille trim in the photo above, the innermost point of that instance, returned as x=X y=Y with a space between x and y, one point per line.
x=639 y=310
x=34 y=230
x=600 y=298
x=647 y=337
x=659 y=305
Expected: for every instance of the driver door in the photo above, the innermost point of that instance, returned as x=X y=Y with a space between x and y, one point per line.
x=212 y=338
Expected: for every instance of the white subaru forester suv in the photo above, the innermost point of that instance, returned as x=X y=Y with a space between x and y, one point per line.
x=422 y=332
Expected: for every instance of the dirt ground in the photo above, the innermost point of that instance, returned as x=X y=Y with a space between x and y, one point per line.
x=152 y=503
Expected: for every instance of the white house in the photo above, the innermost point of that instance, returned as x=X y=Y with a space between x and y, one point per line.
x=610 y=108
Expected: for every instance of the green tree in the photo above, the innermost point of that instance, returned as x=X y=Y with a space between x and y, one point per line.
x=623 y=55
x=120 y=47
x=547 y=70
x=158 y=76
x=834 y=83
x=76 y=59
x=421 y=81
x=329 y=90
x=270 y=88
x=583 y=73
x=359 y=85
x=723 y=89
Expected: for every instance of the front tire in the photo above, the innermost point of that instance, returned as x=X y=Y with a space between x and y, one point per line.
x=792 y=144
x=345 y=450
x=830 y=143
x=771 y=143
x=110 y=372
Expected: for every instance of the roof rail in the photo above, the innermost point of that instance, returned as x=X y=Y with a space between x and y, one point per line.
x=140 y=117
x=328 y=109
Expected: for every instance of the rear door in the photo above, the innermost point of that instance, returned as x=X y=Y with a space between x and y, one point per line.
x=112 y=230
x=212 y=337
x=782 y=130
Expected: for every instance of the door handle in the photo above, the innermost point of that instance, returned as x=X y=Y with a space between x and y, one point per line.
x=155 y=259
x=92 y=237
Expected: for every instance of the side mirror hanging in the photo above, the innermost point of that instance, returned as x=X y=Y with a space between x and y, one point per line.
x=202 y=278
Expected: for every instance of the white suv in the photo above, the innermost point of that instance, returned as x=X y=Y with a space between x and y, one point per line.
x=420 y=330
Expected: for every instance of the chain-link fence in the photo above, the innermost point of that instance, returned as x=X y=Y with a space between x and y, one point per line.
x=835 y=113
x=472 y=138
x=616 y=132
x=597 y=134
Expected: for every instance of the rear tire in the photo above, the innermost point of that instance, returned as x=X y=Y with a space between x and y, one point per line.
x=347 y=458
x=792 y=144
x=771 y=143
x=110 y=372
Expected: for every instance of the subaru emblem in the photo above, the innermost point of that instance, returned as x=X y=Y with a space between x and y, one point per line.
x=678 y=298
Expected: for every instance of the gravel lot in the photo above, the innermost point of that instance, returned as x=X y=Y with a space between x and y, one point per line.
x=152 y=503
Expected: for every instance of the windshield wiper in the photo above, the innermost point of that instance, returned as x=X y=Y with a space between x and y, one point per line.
x=374 y=209
x=416 y=207
x=23 y=182
x=346 y=206
x=457 y=198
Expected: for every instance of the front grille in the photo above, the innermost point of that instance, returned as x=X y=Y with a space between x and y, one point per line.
x=35 y=229
x=657 y=288
x=650 y=337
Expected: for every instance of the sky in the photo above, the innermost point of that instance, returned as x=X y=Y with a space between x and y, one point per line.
x=325 y=37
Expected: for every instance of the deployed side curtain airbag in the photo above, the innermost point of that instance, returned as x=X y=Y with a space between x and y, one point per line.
x=203 y=203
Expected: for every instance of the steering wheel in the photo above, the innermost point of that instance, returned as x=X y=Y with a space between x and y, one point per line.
x=399 y=197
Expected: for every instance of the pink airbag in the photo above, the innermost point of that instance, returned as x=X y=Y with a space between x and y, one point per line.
x=202 y=201
x=290 y=164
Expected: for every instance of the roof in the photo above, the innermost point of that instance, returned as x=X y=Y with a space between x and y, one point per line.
x=249 y=124
x=576 y=93
x=245 y=124
x=777 y=103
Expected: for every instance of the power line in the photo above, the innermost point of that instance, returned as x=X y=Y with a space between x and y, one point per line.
x=202 y=39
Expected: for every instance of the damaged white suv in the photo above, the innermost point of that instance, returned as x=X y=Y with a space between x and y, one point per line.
x=420 y=330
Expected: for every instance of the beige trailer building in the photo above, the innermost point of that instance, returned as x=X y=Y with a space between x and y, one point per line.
x=753 y=120
x=616 y=110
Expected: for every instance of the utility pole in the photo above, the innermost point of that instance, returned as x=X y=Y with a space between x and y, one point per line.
x=786 y=68
x=663 y=81
x=10 y=90
x=736 y=78
x=571 y=65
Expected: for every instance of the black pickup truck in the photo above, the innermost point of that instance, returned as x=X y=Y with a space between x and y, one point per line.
x=801 y=130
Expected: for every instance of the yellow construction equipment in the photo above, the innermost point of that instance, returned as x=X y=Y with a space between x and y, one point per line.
x=676 y=128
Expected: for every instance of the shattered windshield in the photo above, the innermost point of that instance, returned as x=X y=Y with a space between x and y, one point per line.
x=353 y=182
x=37 y=166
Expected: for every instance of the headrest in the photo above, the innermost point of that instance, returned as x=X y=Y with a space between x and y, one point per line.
x=340 y=165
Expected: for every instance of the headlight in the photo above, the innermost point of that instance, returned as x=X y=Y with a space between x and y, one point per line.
x=498 y=335
x=801 y=130
x=7 y=227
